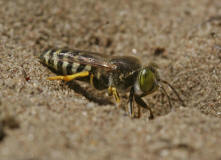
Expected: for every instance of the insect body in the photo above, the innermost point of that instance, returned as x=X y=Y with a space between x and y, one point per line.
x=117 y=73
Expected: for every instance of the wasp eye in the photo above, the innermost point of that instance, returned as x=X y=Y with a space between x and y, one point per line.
x=147 y=80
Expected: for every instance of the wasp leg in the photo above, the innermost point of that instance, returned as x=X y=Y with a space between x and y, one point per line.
x=92 y=80
x=113 y=91
x=144 y=105
x=70 y=77
x=131 y=98
x=110 y=93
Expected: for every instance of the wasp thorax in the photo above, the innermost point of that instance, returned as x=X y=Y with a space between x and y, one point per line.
x=147 y=80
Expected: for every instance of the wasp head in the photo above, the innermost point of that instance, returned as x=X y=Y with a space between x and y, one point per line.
x=147 y=80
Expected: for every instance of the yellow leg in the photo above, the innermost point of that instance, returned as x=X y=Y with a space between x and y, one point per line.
x=91 y=80
x=70 y=77
x=113 y=91
x=110 y=93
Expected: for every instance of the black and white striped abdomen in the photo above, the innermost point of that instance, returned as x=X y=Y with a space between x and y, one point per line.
x=62 y=61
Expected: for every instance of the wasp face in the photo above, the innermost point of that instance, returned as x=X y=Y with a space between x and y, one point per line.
x=146 y=81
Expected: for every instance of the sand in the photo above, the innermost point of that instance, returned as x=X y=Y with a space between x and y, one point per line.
x=47 y=120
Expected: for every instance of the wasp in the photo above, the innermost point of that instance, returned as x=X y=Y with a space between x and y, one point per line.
x=114 y=73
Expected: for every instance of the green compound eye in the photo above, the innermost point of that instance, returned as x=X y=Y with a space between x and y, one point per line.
x=147 y=80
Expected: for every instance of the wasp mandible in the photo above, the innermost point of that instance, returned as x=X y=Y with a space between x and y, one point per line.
x=114 y=73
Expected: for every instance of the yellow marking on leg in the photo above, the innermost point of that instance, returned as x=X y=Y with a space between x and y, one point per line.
x=113 y=91
x=70 y=77
x=110 y=93
x=92 y=80
x=116 y=95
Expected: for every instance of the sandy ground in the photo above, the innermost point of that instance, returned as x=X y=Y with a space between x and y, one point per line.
x=45 y=120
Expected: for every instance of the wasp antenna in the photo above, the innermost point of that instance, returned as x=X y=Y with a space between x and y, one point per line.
x=178 y=96
x=165 y=92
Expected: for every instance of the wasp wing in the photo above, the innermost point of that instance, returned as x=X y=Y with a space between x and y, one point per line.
x=85 y=57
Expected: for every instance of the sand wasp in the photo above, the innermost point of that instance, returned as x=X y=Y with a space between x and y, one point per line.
x=116 y=74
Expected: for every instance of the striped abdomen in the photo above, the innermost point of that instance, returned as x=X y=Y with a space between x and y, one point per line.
x=63 y=61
